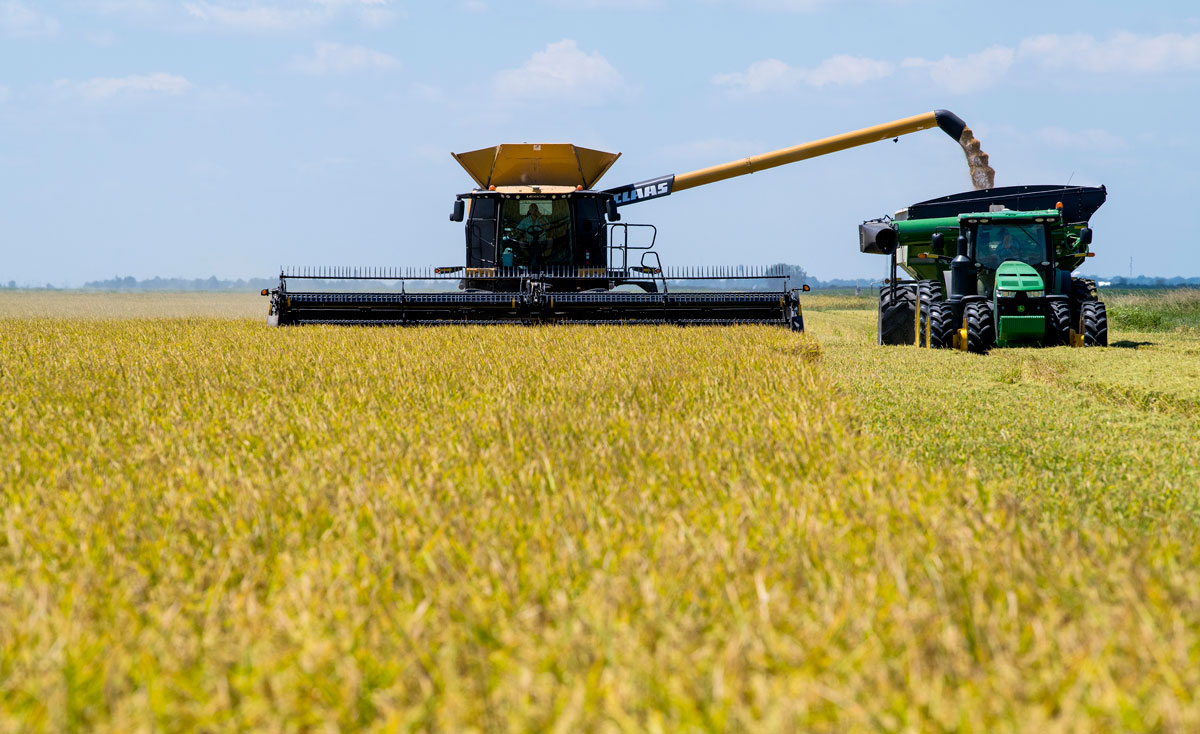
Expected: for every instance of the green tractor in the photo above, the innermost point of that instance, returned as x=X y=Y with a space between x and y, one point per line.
x=1008 y=281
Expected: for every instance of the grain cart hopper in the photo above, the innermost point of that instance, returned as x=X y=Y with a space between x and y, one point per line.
x=544 y=245
x=990 y=268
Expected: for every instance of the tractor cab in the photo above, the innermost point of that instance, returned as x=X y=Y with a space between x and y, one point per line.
x=1021 y=240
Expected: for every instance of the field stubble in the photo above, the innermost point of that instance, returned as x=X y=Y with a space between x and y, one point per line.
x=208 y=524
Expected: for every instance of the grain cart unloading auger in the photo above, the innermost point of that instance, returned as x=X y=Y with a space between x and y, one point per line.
x=542 y=245
x=990 y=268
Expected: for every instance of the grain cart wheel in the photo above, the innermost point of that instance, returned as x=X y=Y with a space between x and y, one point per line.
x=1093 y=324
x=1082 y=290
x=981 y=330
x=939 y=326
x=929 y=292
x=897 y=316
x=1058 y=324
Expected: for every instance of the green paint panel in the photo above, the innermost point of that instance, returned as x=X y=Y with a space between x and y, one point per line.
x=1020 y=330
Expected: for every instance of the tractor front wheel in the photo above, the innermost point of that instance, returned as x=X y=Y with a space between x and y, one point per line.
x=1058 y=324
x=938 y=329
x=1093 y=324
x=981 y=330
x=929 y=292
x=897 y=315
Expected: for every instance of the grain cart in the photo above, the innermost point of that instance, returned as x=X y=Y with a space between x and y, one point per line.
x=990 y=268
x=544 y=245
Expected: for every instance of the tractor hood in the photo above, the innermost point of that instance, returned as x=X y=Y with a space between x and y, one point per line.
x=1014 y=275
x=536 y=164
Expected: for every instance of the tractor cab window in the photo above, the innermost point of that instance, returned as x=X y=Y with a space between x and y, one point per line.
x=996 y=243
x=535 y=233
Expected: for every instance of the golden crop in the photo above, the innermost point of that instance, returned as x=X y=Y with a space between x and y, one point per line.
x=206 y=524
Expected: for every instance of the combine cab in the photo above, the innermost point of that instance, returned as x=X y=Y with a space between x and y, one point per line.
x=1007 y=282
x=543 y=245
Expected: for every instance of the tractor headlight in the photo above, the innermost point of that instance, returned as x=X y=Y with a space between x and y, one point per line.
x=1036 y=294
x=1006 y=294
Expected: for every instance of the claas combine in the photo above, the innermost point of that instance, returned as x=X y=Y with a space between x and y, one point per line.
x=544 y=245
x=990 y=268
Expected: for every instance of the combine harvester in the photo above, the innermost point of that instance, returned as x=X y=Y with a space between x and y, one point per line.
x=1007 y=283
x=544 y=246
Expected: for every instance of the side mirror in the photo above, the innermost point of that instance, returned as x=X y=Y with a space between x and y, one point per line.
x=610 y=208
x=459 y=212
x=939 y=243
x=1085 y=236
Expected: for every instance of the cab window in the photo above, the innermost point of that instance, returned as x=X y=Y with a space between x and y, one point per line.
x=535 y=232
x=997 y=243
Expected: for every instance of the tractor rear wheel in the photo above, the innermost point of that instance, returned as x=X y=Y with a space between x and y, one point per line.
x=1093 y=324
x=938 y=330
x=1058 y=324
x=981 y=330
x=897 y=315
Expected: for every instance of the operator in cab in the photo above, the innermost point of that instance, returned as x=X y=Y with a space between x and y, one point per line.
x=532 y=226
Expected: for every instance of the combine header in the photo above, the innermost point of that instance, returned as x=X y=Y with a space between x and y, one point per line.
x=544 y=246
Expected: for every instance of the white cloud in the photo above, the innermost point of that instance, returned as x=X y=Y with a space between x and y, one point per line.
x=335 y=58
x=106 y=87
x=1122 y=51
x=561 y=71
x=966 y=73
x=18 y=19
x=248 y=15
x=773 y=75
x=608 y=4
x=843 y=69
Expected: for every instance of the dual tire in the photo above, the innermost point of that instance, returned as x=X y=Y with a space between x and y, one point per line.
x=1093 y=324
x=897 y=315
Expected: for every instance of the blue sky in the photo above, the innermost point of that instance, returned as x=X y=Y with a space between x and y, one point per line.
x=228 y=137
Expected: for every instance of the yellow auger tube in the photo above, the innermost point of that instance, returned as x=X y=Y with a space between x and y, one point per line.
x=947 y=121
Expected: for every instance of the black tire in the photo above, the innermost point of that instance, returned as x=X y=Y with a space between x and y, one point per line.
x=1093 y=324
x=1083 y=290
x=940 y=325
x=1058 y=324
x=929 y=292
x=981 y=330
x=897 y=316
x=794 y=313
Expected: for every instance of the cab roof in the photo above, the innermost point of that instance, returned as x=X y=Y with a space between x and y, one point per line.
x=536 y=164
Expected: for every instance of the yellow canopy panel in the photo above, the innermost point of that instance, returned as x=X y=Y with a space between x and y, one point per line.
x=536 y=164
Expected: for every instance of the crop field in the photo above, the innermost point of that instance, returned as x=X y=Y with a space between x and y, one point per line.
x=209 y=525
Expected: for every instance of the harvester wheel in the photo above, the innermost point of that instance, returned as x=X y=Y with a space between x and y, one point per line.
x=939 y=326
x=1093 y=324
x=1058 y=324
x=928 y=293
x=981 y=330
x=1082 y=290
x=897 y=316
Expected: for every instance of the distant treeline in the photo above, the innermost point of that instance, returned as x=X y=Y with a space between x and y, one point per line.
x=797 y=273
x=129 y=283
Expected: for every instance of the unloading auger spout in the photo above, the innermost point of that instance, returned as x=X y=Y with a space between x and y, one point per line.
x=656 y=188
